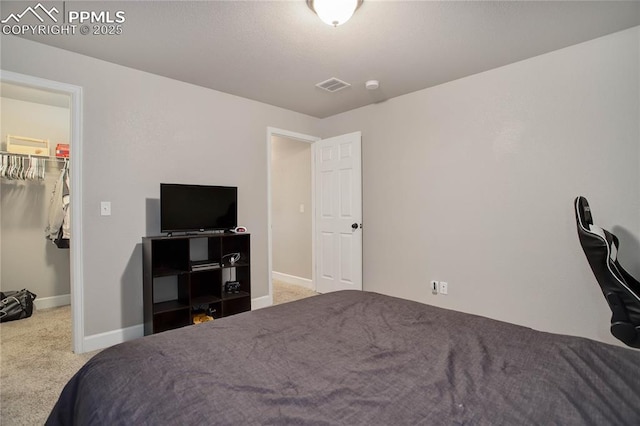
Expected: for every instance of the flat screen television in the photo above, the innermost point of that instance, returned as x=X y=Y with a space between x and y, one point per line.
x=185 y=208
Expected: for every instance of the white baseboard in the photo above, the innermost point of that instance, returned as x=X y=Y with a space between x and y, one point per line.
x=53 y=301
x=292 y=279
x=261 y=302
x=110 y=338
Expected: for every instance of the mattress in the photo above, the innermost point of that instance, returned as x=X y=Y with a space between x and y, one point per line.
x=355 y=358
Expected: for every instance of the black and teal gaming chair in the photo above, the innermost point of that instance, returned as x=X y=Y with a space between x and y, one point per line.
x=620 y=289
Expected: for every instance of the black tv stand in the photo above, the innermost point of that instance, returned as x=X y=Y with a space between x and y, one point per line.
x=193 y=285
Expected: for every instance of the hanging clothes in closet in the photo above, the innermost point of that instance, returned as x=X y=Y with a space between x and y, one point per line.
x=18 y=167
x=58 y=229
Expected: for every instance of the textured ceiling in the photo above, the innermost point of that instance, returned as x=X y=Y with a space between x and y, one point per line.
x=276 y=51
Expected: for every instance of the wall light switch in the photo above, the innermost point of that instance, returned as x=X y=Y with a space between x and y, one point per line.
x=301 y=208
x=105 y=208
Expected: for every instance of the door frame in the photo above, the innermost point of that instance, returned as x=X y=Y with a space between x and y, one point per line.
x=271 y=132
x=76 y=242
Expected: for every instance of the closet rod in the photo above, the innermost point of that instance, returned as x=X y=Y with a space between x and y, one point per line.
x=47 y=158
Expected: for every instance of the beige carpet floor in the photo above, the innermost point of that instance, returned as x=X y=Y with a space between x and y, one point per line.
x=36 y=360
x=35 y=363
x=283 y=292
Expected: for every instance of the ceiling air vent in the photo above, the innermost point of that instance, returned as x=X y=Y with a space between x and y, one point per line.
x=332 y=85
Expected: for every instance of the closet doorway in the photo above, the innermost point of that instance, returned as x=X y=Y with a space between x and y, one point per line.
x=37 y=115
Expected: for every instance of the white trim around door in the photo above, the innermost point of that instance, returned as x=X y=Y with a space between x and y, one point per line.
x=77 y=276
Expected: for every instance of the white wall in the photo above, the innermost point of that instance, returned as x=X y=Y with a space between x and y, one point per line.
x=290 y=188
x=28 y=259
x=139 y=130
x=472 y=182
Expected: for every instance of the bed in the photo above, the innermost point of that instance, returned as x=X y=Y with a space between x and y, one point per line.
x=355 y=358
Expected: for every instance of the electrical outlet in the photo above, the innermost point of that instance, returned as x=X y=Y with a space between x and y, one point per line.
x=444 y=287
x=434 y=287
x=105 y=208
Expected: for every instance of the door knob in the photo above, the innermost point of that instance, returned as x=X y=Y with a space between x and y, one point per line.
x=354 y=226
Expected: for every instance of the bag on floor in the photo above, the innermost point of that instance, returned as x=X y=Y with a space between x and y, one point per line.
x=15 y=305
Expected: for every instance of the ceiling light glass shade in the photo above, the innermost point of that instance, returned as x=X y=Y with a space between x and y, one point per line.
x=334 y=12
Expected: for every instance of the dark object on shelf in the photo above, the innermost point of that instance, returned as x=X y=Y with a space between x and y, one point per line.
x=620 y=289
x=15 y=305
x=198 y=286
x=211 y=312
x=232 y=287
x=201 y=265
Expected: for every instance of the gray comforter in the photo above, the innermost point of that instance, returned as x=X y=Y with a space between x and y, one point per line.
x=355 y=358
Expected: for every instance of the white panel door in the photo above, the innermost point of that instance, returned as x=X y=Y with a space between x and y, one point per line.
x=338 y=176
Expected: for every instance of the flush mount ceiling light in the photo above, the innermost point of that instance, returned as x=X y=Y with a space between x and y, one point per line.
x=334 y=12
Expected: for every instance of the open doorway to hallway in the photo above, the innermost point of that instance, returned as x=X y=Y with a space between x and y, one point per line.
x=291 y=219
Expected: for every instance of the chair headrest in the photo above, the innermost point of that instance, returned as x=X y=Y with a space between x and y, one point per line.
x=583 y=211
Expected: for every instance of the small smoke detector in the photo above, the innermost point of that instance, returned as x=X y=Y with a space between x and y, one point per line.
x=372 y=84
x=333 y=85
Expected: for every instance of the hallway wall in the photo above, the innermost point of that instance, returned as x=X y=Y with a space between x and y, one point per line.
x=290 y=189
